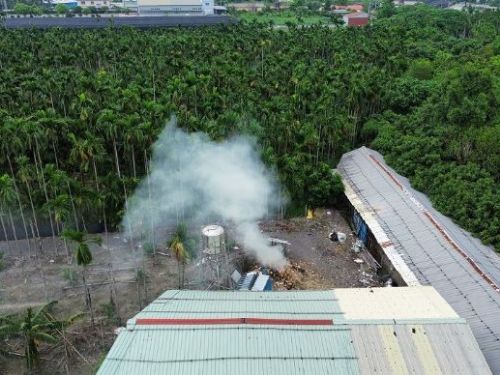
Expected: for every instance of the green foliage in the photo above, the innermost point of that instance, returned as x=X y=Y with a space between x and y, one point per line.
x=421 y=86
x=309 y=16
x=109 y=310
x=386 y=9
x=2 y=261
x=70 y=276
x=140 y=276
x=177 y=244
x=35 y=327
x=61 y=9
x=7 y=191
x=25 y=9
x=148 y=248
x=421 y=69
x=323 y=187
x=82 y=240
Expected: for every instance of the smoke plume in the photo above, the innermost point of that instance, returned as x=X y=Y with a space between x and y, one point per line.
x=195 y=180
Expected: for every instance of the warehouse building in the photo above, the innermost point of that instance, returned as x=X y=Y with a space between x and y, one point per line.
x=419 y=246
x=342 y=331
x=171 y=7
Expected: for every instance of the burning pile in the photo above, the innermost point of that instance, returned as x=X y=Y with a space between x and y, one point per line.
x=290 y=277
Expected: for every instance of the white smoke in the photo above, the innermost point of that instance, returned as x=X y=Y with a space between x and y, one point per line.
x=193 y=179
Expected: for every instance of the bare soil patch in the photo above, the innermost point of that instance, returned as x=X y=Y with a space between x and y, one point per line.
x=315 y=263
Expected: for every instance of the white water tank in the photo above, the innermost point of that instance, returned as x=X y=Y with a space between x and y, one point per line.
x=214 y=240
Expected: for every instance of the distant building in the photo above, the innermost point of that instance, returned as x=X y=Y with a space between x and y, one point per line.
x=248 y=7
x=220 y=9
x=68 y=3
x=417 y=245
x=408 y=3
x=171 y=7
x=94 y=3
x=389 y=331
x=461 y=6
x=352 y=7
x=438 y=3
x=356 y=19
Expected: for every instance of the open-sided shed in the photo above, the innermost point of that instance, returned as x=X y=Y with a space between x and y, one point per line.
x=420 y=246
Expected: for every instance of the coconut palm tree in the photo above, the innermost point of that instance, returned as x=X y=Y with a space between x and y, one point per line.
x=83 y=259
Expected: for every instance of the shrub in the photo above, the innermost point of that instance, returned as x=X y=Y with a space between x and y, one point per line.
x=148 y=248
x=70 y=276
x=2 y=262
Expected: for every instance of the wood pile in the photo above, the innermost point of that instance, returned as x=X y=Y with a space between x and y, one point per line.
x=290 y=277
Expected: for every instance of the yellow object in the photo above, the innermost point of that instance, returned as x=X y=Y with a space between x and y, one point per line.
x=393 y=350
x=310 y=213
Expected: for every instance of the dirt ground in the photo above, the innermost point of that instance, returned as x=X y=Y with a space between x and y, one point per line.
x=317 y=263
x=33 y=281
x=321 y=263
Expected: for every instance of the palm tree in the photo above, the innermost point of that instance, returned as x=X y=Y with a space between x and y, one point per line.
x=86 y=152
x=61 y=206
x=177 y=245
x=56 y=179
x=133 y=136
x=35 y=328
x=12 y=142
x=83 y=259
x=7 y=197
x=25 y=175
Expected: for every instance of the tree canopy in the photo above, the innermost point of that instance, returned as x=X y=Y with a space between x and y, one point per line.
x=421 y=85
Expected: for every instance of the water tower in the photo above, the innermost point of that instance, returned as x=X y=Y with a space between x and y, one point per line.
x=214 y=260
x=213 y=239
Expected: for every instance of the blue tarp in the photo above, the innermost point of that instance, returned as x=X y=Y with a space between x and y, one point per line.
x=360 y=227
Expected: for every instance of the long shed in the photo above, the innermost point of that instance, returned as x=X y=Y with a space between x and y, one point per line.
x=342 y=331
x=420 y=246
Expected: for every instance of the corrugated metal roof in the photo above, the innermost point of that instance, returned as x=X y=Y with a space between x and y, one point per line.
x=392 y=303
x=260 y=283
x=437 y=251
x=433 y=342
x=231 y=304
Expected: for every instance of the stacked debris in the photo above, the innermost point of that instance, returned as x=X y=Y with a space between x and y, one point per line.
x=290 y=277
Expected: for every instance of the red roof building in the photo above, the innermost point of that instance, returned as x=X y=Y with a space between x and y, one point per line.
x=356 y=19
x=352 y=7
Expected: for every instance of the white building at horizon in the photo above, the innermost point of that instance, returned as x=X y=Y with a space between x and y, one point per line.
x=170 y=7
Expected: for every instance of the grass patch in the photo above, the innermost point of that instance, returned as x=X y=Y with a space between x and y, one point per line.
x=283 y=18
